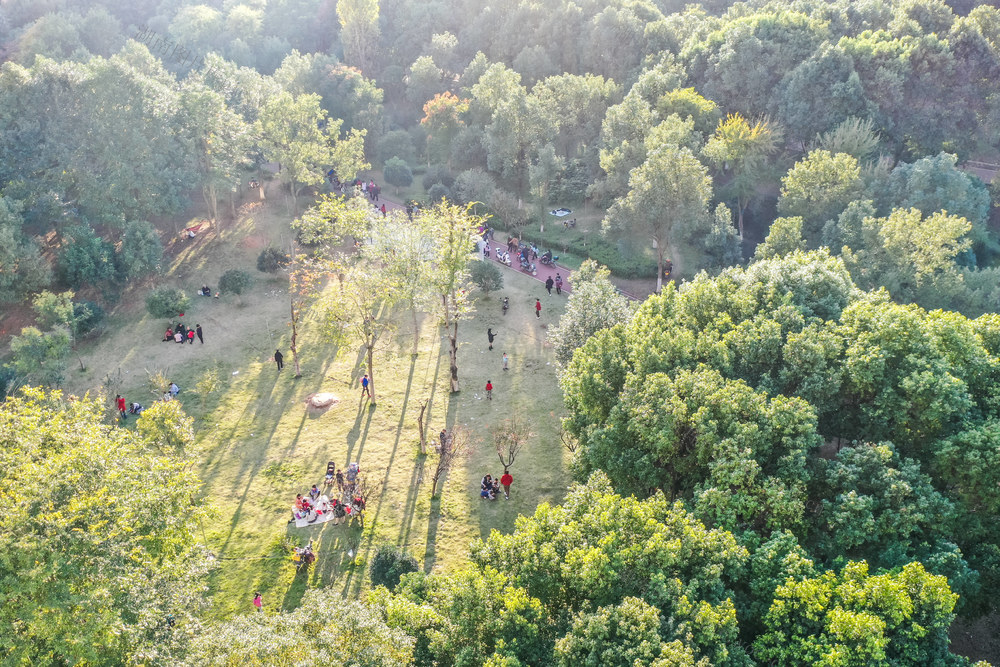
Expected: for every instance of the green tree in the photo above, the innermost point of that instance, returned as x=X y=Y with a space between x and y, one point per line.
x=818 y=189
x=271 y=260
x=41 y=357
x=360 y=637
x=86 y=259
x=140 y=252
x=102 y=565
x=165 y=426
x=397 y=143
x=857 y=618
x=594 y=304
x=722 y=245
x=166 y=302
x=53 y=310
x=389 y=564
x=486 y=276
x=296 y=133
x=443 y=121
x=22 y=268
x=397 y=173
x=668 y=196
x=359 y=31
x=783 y=237
x=740 y=149
x=236 y=281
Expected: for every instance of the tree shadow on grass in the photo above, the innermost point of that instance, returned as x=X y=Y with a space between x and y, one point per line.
x=430 y=553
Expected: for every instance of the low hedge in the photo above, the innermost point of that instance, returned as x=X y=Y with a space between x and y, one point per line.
x=619 y=255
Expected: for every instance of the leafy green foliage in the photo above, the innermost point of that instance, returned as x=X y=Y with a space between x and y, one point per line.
x=594 y=304
x=166 y=302
x=97 y=535
x=165 y=426
x=52 y=310
x=41 y=357
x=271 y=260
x=86 y=259
x=397 y=173
x=235 y=281
x=389 y=564
x=140 y=252
x=22 y=269
x=486 y=276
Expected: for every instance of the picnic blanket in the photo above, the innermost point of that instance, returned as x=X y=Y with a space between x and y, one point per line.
x=322 y=518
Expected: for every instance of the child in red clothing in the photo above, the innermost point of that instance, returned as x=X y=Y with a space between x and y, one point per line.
x=505 y=481
x=121 y=405
x=489 y=390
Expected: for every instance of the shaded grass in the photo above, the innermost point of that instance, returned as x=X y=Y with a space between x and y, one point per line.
x=257 y=446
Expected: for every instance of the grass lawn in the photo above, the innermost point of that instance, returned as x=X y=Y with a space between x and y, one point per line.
x=257 y=446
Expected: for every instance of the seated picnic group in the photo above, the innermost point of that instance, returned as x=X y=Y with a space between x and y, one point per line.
x=489 y=487
x=314 y=505
x=181 y=333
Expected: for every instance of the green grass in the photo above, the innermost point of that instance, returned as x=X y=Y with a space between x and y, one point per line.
x=257 y=446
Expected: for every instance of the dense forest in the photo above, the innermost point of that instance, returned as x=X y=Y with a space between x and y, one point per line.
x=785 y=455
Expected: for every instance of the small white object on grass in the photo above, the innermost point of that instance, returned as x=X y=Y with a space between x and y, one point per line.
x=236 y=372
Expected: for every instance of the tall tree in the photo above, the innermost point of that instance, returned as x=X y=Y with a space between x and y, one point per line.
x=668 y=196
x=442 y=120
x=359 y=32
x=594 y=304
x=296 y=133
x=453 y=231
x=740 y=150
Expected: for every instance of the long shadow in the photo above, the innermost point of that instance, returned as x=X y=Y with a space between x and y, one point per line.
x=430 y=554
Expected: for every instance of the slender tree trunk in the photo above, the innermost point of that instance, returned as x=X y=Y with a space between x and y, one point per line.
x=740 y=205
x=295 y=335
x=420 y=427
x=453 y=356
x=416 y=329
x=371 y=371
x=659 y=266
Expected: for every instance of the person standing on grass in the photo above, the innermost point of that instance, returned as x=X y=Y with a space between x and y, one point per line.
x=258 y=601
x=383 y=210
x=559 y=284
x=505 y=481
x=191 y=336
x=364 y=386
x=491 y=336
x=548 y=284
x=198 y=331
x=279 y=359
x=489 y=390
x=538 y=308
x=120 y=402
x=505 y=359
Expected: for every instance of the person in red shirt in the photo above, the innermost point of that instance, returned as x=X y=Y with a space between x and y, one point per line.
x=121 y=405
x=505 y=481
x=489 y=390
x=538 y=308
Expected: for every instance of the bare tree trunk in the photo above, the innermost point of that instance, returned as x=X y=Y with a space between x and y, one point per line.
x=453 y=356
x=295 y=335
x=371 y=371
x=416 y=330
x=659 y=266
x=421 y=429
x=739 y=217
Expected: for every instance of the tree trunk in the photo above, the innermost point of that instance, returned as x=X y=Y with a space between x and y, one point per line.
x=295 y=334
x=434 y=485
x=421 y=429
x=453 y=356
x=740 y=205
x=371 y=371
x=659 y=266
x=416 y=329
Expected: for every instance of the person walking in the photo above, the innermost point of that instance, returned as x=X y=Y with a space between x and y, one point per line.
x=491 y=336
x=191 y=336
x=548 y=284
x=538 y=308
x=489 y=390
x=383 y=210
x=120 y=402
x=200 y=336
x=443 y=436
x=505 y=359
x=559 y=284
x=258 y=601
x=279 y=359
x=505 y=481
x=364 y=386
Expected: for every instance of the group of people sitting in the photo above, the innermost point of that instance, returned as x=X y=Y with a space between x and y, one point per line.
x=315 y=504
x=489 y=487
x=181 y=333
x=207 y=291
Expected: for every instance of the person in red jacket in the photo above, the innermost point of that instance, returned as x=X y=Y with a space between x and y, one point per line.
x=505 y=481
x=538 y=308
x=489 y=390
x=121 y=405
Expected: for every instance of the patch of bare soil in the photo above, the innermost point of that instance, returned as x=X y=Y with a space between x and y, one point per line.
x=977 y=639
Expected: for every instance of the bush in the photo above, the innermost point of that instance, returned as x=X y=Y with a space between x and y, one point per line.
x=86 y=259
x=397 y=143
x=166 y=302
x=438 y=192
x=486 y=276
x=140 y=252
x=397 y=173
x=439 y=173
x=235 y=281
x=88 y=317
x=389 y=564
x=271 y=259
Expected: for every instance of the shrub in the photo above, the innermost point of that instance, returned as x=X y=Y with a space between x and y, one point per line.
x=235 y=281
x=140 y=252
x=438 y=192
x=486 y=276
x=166 y=302
x=271 y=259
x=439 y=173
x=85 y=259
x=389 y=564
x=397 y=143
x=88 y=317
x=397 y=173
